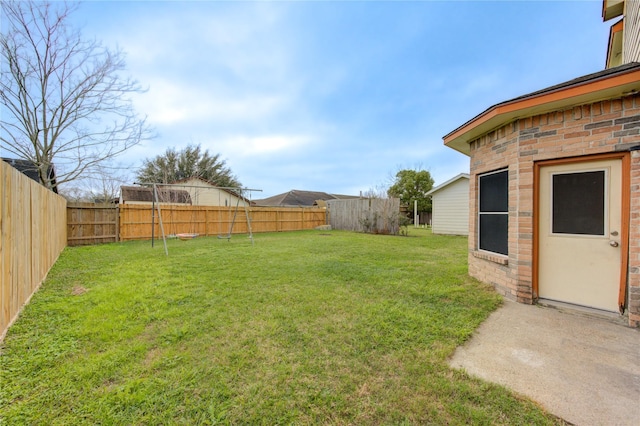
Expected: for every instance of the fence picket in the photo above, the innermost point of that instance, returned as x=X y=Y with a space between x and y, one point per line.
x=32 y=227
x=135 y=220
x=375 y=215
x=36 y=225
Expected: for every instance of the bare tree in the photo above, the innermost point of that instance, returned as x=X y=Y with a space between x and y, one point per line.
x=101 y=188
x=63 y=98
x=107 y=188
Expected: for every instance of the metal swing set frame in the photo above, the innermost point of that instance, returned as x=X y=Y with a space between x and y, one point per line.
x=155 y=206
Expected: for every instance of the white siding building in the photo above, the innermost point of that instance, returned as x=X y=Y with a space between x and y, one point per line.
x=450 y=202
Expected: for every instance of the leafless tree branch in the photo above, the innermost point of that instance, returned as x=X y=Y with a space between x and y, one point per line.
x=63 y=98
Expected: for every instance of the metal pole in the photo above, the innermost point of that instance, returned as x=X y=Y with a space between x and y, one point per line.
x=164 y=238
x=246 y=212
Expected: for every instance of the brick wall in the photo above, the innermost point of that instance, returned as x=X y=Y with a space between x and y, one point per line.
x=601 y=127
x=634 y=241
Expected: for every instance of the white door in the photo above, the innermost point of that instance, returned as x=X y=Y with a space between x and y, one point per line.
x=579 y=253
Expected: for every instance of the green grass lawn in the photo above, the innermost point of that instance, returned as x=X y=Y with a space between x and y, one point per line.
x=305 y=327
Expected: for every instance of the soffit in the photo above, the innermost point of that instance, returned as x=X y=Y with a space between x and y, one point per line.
x=614 y=49
x=608 y=84
x=612 y=8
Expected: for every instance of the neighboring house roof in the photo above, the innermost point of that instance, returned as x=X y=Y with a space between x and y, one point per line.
x=30 y=169
x=145 y=194
x=449 y=182
x=607 y=84
x=299 y=198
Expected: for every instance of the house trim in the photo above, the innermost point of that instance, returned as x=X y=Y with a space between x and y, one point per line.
x=608 y=84
x=614 y=48
x=500 y=259
x=625 y=211
x=612 y=8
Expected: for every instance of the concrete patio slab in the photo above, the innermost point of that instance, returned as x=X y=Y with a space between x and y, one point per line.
x=582 y=368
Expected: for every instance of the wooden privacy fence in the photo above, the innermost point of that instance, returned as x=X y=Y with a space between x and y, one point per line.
x=374 y=215
x=32 y=226
x=136 y=220
x=89 y=223
x=95 y=224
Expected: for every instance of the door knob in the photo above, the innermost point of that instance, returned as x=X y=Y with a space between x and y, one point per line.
x=613 y=243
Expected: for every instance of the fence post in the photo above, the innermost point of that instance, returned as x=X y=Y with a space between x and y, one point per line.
x=117 y=223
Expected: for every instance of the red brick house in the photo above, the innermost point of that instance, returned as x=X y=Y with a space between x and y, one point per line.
x=555 y=185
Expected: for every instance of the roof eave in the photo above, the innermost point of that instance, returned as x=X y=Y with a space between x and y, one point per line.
x=614 y=46
x=612 y=9
x=447 y=183
x=608 y=87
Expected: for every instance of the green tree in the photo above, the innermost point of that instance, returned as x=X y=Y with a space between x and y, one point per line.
x=175 y=165
x=411 y=185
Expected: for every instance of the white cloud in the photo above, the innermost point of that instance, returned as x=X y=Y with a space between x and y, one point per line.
x=323 y=96
x=199 y=39
x=218 y=69
x=178 y=102
x=255 y=146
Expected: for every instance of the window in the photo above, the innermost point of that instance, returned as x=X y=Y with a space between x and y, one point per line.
x=578 y=203
x=493 y=212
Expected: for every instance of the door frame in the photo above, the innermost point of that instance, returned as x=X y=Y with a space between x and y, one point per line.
x=625 y=157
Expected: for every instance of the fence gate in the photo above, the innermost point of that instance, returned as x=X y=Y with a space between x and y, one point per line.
x=89 y=223
x=374 y=215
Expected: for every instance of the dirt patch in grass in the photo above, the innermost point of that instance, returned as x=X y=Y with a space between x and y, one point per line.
x=78 y=290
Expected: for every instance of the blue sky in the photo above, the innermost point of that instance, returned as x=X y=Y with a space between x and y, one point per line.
x=337 y=96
